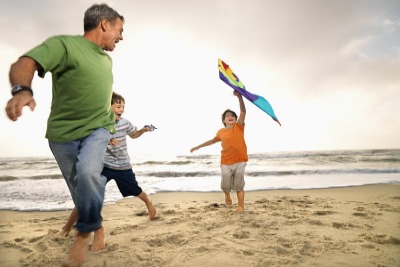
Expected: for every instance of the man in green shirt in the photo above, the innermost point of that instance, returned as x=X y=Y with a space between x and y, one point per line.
x=81 y=118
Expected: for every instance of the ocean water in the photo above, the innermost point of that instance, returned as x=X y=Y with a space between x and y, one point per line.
x=37 y=184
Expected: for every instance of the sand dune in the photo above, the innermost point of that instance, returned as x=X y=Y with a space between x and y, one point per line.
x=356 y=226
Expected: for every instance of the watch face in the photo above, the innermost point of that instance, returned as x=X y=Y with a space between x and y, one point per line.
x=16 y=88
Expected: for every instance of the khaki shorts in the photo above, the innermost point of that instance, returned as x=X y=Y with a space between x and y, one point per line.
x=232 y=177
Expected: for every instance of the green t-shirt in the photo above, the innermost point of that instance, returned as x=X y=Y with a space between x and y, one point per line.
x=82 y=86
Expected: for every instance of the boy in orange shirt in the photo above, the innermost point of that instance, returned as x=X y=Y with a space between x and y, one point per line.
x=233 y=155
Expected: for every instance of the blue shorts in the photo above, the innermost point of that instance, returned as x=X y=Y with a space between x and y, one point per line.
x=125 y=180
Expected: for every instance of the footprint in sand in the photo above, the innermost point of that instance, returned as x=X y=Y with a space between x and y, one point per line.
x=262 y=201
x=40 y=250
x=315 y=222
x=22 y=247
x=169 y=212
x=241 y=234
x=174 y=239
x=285 y=242
x=35 y=239
x=360 y=214
x=344 y=225
x=311 y=249
x=122 y=230
x=112 y=247
x=368 y=246
x=383 y=239
x=141 y=213
x=323 y=212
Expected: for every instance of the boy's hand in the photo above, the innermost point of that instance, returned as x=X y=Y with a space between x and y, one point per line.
x=150 y=128
x=146 y=129
x=236 y=93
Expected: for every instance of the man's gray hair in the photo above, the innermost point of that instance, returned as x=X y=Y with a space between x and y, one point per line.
x=96 y=13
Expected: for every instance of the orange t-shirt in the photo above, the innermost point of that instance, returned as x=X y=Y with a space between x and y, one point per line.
x=234 y=147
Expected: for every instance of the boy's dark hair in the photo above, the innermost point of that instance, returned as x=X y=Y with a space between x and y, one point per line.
x=224 y=114
x=116 y=98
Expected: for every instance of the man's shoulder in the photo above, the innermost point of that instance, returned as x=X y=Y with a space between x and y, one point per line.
x=63 y=41
x=64 y=37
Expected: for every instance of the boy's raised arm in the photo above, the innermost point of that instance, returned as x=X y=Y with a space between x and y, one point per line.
x=242 y=114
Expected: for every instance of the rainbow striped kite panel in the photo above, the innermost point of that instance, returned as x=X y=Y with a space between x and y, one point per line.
x=230 y=78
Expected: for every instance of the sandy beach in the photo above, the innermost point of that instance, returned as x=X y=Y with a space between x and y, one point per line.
x=352 y=226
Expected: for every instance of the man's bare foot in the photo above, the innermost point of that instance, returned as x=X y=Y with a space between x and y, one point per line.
x=78 y=251
x=99 y=242
x=240 y=209
x=152 y=211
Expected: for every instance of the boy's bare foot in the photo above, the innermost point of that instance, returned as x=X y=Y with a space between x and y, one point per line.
x=240 y=197
x=77 y=253
x=239 y=209
x=228 y=200
x=64 y=232
x=152 y=211
x=99 y=242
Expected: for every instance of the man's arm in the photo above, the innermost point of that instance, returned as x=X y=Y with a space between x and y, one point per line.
x=22 y=71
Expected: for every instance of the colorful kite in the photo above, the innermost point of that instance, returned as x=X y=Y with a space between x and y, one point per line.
x=230 y=78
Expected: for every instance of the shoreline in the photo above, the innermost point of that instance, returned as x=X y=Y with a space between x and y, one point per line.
x=113 y=196
x=345 y=226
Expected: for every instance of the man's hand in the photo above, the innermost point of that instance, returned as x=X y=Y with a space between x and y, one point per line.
x=15 y=104
x=114 y=142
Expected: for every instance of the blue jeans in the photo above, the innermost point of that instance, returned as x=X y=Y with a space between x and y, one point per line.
x=81 y=163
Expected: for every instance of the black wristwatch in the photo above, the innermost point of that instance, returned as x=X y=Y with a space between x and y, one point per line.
x=18 y=88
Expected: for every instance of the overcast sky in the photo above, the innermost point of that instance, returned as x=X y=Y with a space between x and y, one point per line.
x=330 y=69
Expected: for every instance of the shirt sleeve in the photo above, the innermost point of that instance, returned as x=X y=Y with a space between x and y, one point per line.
x=50 y=55
x=131 y=129
x=217 y=137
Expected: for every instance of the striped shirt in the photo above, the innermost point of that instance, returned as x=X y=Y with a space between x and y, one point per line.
x=117 y=157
